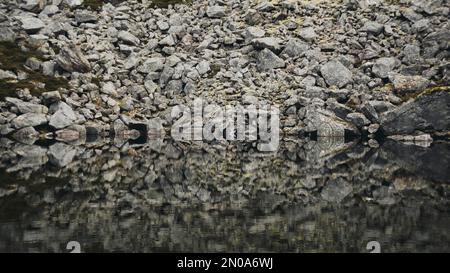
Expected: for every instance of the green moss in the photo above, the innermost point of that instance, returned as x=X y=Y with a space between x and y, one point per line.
x=426 y=91
x=13 y=58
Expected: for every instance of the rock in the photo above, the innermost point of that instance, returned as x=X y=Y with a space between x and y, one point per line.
x=308 y=34
x=251 y=33
x=7 y=34
x=7 y=75
x=326 y=124
x=27 y=107
x=31 y=25
x=29 y=120
x=358 y=119
x=383 y=66
x=336 y=190
x=215 y=11
x=152 y=65
x=85 y=17
x=71 y=134
x=268 y=60
x=373 y=128
x=61 y=154
x=51 y=97
x=72 y=59
x=50 y=10
x=372 y=27
x=268 y=42
x=429 y=112
x=404 y=85
x=33 y=63
x=73 y=3
x=63 y=115
x=162 y=25
x=203 y=67
x=336 y=74
x=128 y=38
x=26 y=135
x=31 y=5
x=295 y=48
x=369 y=111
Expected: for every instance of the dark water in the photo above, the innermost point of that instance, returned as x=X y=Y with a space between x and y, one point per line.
x=160 y=196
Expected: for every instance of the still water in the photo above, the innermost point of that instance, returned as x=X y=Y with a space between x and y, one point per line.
x=326 y=195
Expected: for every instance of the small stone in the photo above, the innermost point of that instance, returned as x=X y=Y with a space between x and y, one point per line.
x=128 y=38
x=215 y=11
x=383 y=66
x=372 y=27
x=32 y=25
x=308 y=34
x=268 y=60
x=336 y=74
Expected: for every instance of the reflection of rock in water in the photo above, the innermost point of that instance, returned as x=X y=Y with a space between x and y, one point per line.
x=432 y=163
x=163 y=196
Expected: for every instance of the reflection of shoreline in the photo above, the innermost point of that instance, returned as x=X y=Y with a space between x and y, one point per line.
x=171 y=190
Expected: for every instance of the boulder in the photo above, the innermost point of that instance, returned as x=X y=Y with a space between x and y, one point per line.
x=429 y=112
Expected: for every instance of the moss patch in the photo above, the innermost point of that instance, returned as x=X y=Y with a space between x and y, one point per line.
x=13 y=58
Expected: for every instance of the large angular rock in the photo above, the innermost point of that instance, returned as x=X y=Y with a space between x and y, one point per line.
x=61 y=154
x=215 y=11
x=336 y=74
x=63 y=115
x=128 y=38
x=383 y=66
x=268 y=60
x=336 y=191
x=429 y=112
x=7 y=34
x=31 y=25
x=152 y=65
x=295 y=48
x=72 y=59
x=268 y=42
x=29 y=120
x=404 y=85
x=27 y=107
x=326 y=124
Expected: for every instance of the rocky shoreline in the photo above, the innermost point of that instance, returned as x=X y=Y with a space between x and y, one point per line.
x=332 y=67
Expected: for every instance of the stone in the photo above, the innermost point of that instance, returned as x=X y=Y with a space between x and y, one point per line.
x=7 y=34
x=268 y=42
x=295 y=48
x=215 y=11
x=326 y=124
x=50 y=10
x=152 y=65
x=268 y=60
x=29 y=120
x=336 y=190
x=336 y=74
x=372 y=27
x=251 y=33
x=358 y=119
x=73 y=3
x=61 y=154
x=128 y=38
x=85 y=17
x=31 y=25
x=383 y=66
x=27 y=107
x=63 y=115
x=51 y=97
x=203 y=67
x=429 y=112
x=72 y=59
x=308 y=34
x=404 y=85
x=26 y=135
